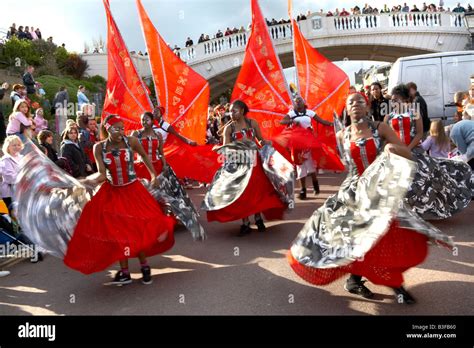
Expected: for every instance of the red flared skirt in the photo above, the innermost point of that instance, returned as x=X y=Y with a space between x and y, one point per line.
x=194 y=162
x=259 y=197
x=118 y=223
x=294 y=142
x=142 y=171
x=397 y=251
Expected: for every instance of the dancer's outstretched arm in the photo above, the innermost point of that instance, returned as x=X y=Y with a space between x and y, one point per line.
x=99 y=177
x=320 y=120
x=182 y=138
x=258 y=133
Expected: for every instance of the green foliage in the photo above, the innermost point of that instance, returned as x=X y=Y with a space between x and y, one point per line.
x=61 y=55
x=49 y=67
x=51 y=85
x=44 y=49
x=75 y=66
x=23 y=49
x=97 y=79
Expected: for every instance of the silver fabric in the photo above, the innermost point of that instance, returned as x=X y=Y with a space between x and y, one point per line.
x=441 y=187
x=281 y=174
x=232 y=178
x=48 y=202
x=338 y=127
x=351 y=222
x=171 y=194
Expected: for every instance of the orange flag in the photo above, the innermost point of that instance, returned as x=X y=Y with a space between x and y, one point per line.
x=261 y=83
x=324 y=87
x=126 y=93
x=321 y=83
x=180 y=90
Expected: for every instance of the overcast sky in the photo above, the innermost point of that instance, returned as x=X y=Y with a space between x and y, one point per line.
x=74 y=22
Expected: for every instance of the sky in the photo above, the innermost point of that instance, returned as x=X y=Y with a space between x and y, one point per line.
x=75 y=22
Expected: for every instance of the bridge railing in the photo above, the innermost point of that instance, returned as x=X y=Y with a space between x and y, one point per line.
x=355 y=22
x=231 y=42
x=320 y=25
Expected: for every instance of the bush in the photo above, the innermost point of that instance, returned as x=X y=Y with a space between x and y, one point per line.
x=51 y=86
x=75 y=66
x=97 y=79
x=22 y=49
x=49 y=67
x=44 y=49
x=61 y=57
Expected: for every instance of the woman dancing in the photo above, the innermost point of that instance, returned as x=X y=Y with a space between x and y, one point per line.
x=362 y=230
x=241 y=188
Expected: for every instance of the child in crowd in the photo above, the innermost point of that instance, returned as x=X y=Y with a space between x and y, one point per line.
x=40 y=121
x=20 y=119
x=437 y=144
x=9 y=167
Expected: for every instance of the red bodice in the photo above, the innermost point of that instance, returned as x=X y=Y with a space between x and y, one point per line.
x=402 y=125
x=363 y=153
x=119 y=165
x=151 y=147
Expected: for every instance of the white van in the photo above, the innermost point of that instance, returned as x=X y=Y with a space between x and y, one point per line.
x=438 y=77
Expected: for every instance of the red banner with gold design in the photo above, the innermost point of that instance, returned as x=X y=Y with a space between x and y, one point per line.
x=180 y=90
x=126 y=93
x=324 y=87
x=261 y=83
x=321 y=83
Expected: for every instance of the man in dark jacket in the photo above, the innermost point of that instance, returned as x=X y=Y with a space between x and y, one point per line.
x=379 y=105
x=59 y=108
x=29 y=81
x=420 y=102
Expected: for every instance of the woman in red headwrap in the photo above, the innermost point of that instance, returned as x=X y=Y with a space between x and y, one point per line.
x=122 y=219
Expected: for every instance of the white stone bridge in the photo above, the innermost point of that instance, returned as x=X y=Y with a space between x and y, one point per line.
x=382 y=37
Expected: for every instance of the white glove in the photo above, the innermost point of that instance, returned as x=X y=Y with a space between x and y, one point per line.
x=462 y=158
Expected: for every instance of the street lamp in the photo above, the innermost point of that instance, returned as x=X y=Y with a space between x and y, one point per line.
x=469 y=21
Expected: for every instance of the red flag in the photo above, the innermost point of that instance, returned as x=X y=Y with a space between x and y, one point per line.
x=261 y=83
x=193 y=162
x=322 y=84
x=324 y=87
x=180 y=90
x=126 y=93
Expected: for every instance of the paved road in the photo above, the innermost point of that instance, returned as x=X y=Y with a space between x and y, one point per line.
x=250 y=275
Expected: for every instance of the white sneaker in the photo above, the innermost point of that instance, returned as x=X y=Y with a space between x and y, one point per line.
x=4 y=273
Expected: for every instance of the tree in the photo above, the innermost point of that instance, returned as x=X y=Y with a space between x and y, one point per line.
x=75 y=66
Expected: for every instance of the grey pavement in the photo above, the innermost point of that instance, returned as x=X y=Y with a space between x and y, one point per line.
x=227 y=275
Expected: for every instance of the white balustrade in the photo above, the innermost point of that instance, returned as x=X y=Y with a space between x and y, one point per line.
x=318 y=24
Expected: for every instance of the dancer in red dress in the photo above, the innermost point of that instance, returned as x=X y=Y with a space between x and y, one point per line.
x=305 y=163
x=122 y=219
x=362 y=229
x=170 y=191
x=241 y=187
x=152 y=143
x=441 y=187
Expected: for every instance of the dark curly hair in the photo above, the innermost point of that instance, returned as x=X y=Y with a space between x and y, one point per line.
x=241 y=105
x=402 y=91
